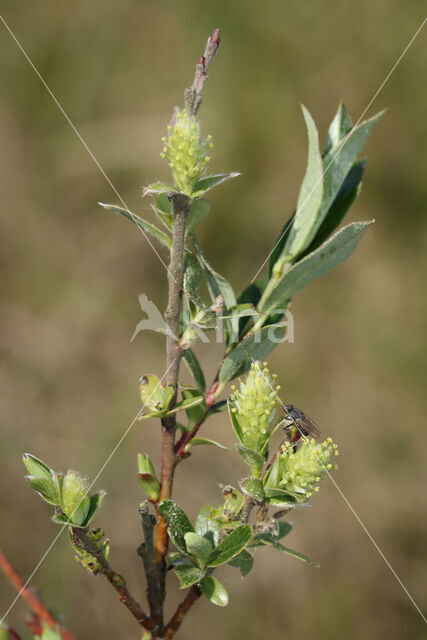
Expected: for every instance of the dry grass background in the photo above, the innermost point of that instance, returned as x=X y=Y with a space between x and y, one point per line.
x=71 y=274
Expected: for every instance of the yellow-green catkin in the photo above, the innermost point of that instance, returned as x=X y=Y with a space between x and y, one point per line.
x=298 y=472
x=186 y=150
x=253 y=407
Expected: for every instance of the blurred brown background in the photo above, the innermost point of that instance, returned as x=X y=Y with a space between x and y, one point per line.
x=71 y=275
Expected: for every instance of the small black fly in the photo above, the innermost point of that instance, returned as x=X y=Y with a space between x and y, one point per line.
x=301 y=425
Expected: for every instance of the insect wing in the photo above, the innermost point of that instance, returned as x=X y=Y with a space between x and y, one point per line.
x=308 y=426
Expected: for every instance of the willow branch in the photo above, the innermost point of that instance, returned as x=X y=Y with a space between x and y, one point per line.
x=189 y=435
x=193 y=95
x=192 y=596
x=115 y=579
x=146 y=551
x=33 y=601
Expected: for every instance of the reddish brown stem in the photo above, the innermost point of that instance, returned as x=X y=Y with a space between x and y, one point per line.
x=176 y=620
x=81 y=538
x=189 y=435
x=33 y=601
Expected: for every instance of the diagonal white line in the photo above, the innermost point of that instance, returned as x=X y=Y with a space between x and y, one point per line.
x=61 y=531
x=346 y=139
x=349 y=505
x=90 y=152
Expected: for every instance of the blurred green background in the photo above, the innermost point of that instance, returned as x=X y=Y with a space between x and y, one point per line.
x=71 y=274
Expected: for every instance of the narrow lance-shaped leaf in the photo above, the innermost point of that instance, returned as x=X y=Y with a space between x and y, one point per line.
x=231 y=546
x=198 y=441
x=337 y=211
x=209 y=182
x=142 y=224
x=305 y=224
x=340 y=126
x=290 y=552
x=255 y=347
x=339 y=160
x=195 y=369
x=326 y=257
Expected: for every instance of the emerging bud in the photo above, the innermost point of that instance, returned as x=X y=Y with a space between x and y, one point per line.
x=147 y=477
x=297 y=473
x=74 y=496
x=252 y=408
x=186 y=150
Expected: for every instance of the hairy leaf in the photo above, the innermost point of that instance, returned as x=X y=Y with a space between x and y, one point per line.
x=178 y=522
x=198 y=546
x=244 y=561
x=209 y=182
x=195 y=369
x=198 y=212
x=305 y=222
x=188 y=573
x=231 y=546
x=142 y=224
x=330 y=254
x=207 y=527
x=214 y=590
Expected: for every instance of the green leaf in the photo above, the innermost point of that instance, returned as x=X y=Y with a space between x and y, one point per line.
x=340 y=126
x=194 y=413
x=36 y=467
x=217 y=407
x=280 y=499
x=192 y=401
x=253 y=487
x=256 y=346
x=214 y=590
x=80 y=512
x=251 y=295
x=339 y=159
x=178 y=523
x=290 y=552
x=330 y=254
x=198 y=441
x=142 y=224
x=278 y=246
x=207 y=527
x=193 y=275
x=209 y=182
x=260 y=539
x=159 y=187
x=337 y=211
x=188 y=573
x=60 y=518
x=198 y=212
x=199 y=547
x=195 y=369
x=244 y=561
x=305 y=223
x=95 y=502
x=217 y=284
x=233 y=500
x=252 y=458
x=231 y=546
x=164 y=210
x=45 y=488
